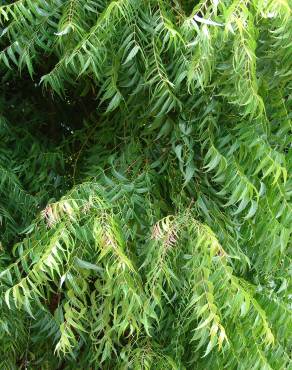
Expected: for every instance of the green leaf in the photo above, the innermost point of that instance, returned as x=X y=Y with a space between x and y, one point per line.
x=132 y=53
x=87 y=265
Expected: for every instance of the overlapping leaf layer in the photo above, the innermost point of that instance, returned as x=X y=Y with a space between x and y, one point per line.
x=145 y=184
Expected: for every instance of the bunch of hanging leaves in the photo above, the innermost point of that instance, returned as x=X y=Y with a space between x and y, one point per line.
x=145 y=184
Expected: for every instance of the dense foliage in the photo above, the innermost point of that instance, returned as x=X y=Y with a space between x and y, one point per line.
x=145 y=196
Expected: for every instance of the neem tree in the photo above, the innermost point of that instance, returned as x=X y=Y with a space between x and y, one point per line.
x=145 y=211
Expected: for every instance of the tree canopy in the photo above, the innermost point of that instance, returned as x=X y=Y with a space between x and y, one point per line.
x=145 y=184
